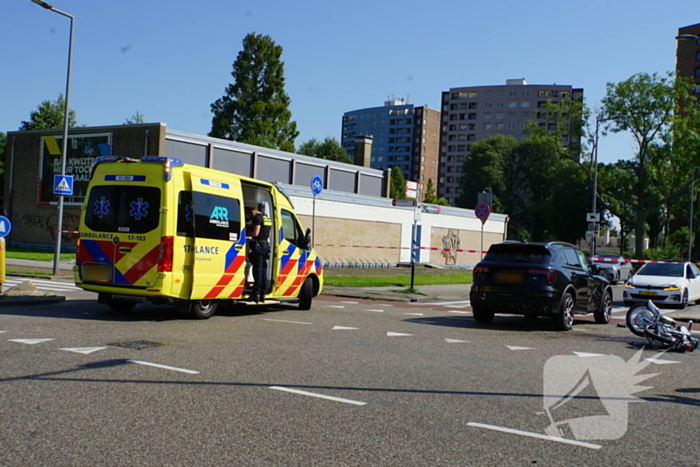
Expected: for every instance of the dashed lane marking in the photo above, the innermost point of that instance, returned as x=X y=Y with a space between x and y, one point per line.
x=84 y=350
x=414 y=314
x=455 y=341
x=586 y=354
x=30 y=341
x=335 y=306
x=376 y=311
x=164 y=367
x=659 y=362
x=535 y=435
x=344 y=328
x=351 y=303
x=397 y=334
x=516 y=347
x=285 y=321
x=320 y=396
x=460 y=312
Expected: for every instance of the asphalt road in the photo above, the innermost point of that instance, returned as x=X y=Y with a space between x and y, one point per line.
x=347 y=383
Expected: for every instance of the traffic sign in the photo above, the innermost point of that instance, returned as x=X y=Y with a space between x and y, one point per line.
x=62 y=185
x=592 y=217
x=482 y=211
x=5 y=226
x=592 y=234
x=316 y=185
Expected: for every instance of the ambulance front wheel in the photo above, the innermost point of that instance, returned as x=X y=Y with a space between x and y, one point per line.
x=200 y=309
x=306 y=294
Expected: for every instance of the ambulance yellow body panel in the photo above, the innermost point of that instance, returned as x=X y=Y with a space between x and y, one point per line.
x=159 y=230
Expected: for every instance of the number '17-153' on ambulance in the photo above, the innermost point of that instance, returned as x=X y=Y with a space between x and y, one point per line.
x=159 y=230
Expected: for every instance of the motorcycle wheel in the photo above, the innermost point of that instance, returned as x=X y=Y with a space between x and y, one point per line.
x=638 y=318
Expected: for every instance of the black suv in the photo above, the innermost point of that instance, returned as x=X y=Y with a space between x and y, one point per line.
x=539 y=279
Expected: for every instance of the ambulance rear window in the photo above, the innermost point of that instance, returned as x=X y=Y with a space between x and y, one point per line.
x=123 y=209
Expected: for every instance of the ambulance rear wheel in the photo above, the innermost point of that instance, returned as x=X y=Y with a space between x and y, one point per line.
x=200 y=309
x=306 y=294
x=120 y=306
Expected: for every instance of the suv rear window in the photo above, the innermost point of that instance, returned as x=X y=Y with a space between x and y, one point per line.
x=121 y=208
x=518 y=253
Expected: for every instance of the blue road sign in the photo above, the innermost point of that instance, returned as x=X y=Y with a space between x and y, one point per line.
x=5 y=226
x=316 y=185
x=62 y=185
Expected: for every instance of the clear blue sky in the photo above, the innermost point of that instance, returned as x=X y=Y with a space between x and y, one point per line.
x=170 y=60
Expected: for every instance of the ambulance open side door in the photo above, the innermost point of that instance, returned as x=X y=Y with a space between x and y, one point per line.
x=219 y=248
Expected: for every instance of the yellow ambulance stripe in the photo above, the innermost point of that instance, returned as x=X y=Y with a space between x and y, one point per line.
x=52 y=145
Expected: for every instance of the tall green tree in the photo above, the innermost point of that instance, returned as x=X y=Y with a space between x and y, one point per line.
x=484 y=169
x=397 y=190
x=329 y=149
x=49 y=115
x=135 y=119
x=255 y=108
x=661 y=115
x=431 y=195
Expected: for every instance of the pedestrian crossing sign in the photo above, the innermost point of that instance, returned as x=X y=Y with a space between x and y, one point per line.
x=5 y=226
x=62 y=185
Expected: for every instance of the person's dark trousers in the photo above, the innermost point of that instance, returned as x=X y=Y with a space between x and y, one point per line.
x=260 y=271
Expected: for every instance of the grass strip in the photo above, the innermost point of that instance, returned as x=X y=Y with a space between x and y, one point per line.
x=396 y=281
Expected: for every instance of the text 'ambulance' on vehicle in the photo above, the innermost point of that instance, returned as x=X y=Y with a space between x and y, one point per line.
x=159 y=230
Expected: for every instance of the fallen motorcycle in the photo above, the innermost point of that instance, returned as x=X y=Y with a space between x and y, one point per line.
x=661 y=331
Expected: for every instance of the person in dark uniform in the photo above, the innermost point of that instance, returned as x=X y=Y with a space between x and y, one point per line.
x=259 y=250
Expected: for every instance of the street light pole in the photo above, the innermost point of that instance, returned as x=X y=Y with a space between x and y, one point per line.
x=690 y=216
x=64 y=151
x=595 y=169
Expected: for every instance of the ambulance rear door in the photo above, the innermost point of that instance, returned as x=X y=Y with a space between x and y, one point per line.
x=121 y=232
x=219 y=243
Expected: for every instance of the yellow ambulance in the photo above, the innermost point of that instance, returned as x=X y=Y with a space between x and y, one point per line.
x=159 y=230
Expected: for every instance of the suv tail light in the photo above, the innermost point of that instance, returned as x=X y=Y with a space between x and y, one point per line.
x=549 y=276
x=165 y=254
x=479 y=271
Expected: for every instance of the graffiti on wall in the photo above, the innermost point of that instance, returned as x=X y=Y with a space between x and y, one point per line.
x=451 y=244
x=32 y=220
x=71 y=223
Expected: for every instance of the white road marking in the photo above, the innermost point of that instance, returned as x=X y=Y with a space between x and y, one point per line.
x=336 y=306
x=455 y=341
x=164 y=367
x=515 y=347
x=460 y=312
x=396 y=334
x=659 y=362
x=343 y=328
x=586 y=354
x=320 y=396
x=42 y=284
x=535 y=435
x=285 y=321
x=414 y=314
x=84 y=350
x=351 y=303
x=377 y=311
x=2 y=332
x=30 y=341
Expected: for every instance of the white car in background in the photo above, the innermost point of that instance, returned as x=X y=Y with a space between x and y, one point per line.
x=672 y=284
x=614 y=267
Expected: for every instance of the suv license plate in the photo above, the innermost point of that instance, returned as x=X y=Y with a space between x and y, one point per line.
x=509 y=277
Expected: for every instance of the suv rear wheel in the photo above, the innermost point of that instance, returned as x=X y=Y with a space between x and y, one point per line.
x=482 y=315
x=565 y=318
